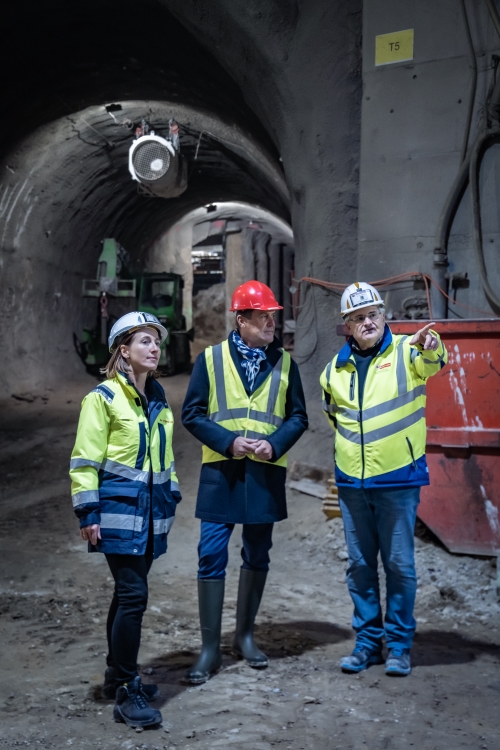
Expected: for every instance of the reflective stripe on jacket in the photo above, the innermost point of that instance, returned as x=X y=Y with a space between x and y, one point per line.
x=256 y=415
x=382 y=443
x=122 y=466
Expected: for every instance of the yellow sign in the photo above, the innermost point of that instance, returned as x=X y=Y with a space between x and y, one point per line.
x=395 y=47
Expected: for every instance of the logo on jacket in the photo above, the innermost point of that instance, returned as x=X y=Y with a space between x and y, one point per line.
x=383 y=367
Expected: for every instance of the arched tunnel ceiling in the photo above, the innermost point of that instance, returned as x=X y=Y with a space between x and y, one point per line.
x=64 y=180
x=58 y=58
x=275 y=83
x=71 y=57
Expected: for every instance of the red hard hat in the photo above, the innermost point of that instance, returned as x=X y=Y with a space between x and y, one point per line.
x=254 y=295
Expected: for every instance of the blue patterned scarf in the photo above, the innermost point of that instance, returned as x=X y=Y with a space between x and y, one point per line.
x=251 y=358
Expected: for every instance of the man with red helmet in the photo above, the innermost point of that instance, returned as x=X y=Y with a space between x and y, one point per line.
x=245 y=403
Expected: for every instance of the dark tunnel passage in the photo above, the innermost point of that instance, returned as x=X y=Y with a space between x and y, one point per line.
x=257 y=126
x=65 y=174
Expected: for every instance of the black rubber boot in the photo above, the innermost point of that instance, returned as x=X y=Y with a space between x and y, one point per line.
x=250 y=592
x=210 y=600
x=132 y=707
x=111 y=683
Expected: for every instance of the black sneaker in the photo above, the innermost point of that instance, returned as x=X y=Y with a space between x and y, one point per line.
x=151 y=692
x=360 y=659
x=132 y=707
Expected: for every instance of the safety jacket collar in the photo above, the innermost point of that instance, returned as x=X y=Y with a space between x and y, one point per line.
x=345 y=353
x=154 y=391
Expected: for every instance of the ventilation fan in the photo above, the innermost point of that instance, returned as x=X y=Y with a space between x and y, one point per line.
x=157 y=166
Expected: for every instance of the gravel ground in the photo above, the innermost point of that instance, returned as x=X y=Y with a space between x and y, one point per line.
x=54 y=597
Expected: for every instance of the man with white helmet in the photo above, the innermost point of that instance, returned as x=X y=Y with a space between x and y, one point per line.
x=374 y=397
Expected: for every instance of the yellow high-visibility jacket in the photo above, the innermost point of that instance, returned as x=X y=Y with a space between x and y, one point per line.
x=122 y=466
x=381 y=444
x=256 y=415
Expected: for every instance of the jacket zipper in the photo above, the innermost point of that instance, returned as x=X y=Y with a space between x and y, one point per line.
x=360 y=420
x=410 y=446
x=353 y=380
x=163 y=445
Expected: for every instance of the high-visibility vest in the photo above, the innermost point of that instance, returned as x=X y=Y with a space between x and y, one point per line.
x=256 y=415
x=382 y=442
x=119 y=454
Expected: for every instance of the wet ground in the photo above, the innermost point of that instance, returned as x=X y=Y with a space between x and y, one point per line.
x=54 y=597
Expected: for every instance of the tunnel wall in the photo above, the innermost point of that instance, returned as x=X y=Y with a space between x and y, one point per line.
x=414 y=116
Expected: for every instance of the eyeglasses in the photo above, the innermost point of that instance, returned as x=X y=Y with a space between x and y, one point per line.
x=357 y=319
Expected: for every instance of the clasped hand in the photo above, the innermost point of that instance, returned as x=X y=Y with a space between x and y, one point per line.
x=243 y=446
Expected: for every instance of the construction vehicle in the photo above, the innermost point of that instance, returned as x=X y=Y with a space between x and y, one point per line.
x=117 y=290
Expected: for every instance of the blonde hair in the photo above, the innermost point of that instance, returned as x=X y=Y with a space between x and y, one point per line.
x=118 y=363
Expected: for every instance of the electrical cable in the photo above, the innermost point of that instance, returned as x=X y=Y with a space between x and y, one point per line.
x=472 y=94
x=494 y=15
x=457 y=189
x=450 y=206
x=475 y=164
x=428 y=295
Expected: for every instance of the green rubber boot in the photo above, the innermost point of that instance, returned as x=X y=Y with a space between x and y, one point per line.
x=250 y=590
x=210 y=600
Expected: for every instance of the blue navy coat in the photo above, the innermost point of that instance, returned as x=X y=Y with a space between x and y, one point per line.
x=243 y=491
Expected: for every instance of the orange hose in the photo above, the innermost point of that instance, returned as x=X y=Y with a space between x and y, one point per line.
x=427 y=294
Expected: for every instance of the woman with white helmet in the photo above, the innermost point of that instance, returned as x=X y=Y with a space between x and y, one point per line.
x=125 y=492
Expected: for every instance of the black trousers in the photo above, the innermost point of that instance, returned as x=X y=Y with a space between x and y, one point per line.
x=129 y=602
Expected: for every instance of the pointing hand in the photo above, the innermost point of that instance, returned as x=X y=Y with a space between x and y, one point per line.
x=426 y=338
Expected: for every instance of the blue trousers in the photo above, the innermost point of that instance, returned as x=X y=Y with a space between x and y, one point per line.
x=214 y=541
x=381 y=520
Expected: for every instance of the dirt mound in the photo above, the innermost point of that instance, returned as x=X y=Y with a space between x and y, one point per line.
x=209 y=314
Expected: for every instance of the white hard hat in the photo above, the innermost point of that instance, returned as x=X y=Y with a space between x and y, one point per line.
x=130 y=322
x=358 y=295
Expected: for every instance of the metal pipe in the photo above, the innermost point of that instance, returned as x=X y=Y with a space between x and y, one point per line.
x=440 y=264
x=274 y=255
x=287 y=282
x=475 y=164
x=248 y=255
x=494 y=15
x=472 y=94
x=260 y=243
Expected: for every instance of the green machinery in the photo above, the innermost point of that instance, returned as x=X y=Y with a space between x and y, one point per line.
x=117 y=291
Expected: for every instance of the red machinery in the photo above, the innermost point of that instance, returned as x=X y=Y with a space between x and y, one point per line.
x=462 y=504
